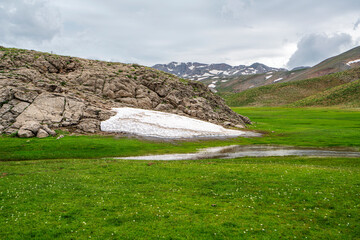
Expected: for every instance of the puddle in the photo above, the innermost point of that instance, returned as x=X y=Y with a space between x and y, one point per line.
x=237 y=151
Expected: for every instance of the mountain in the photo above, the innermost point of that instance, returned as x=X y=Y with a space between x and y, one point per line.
x=341 y=62
x=337 y=89
x=202 y=71
x=46 y=91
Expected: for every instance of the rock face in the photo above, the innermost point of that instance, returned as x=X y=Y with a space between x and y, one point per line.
x=40 y=92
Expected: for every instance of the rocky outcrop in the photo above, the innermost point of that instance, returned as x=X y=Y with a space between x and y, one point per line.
x=40 y=92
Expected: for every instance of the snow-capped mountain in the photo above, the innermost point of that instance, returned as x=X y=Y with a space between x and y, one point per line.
x=201 y=71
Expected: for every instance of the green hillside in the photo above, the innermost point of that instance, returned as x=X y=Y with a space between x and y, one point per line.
x=343 y=95
x=290 y=92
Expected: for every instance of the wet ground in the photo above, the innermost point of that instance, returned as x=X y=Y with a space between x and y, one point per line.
x=237 y=151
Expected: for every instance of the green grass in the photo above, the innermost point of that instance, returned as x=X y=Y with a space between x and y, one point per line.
x=308 y=127
x=251 y=198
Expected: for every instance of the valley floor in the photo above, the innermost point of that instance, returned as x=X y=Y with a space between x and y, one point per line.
x=69 y=196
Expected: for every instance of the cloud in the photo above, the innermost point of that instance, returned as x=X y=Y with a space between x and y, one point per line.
x=160 y=31
x=356 y=25
x=28 y=21
x=235 y=8
x=314 y=48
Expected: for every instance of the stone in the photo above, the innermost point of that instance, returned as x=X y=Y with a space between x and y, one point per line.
x=23 y=133
x=26 y=96
x=164 y=107
x=60 y=137
x=74 y=110
x=4 y=109
x=47 y=107
x=48 y=130
x=89 y=125
x=42 y=134
x=32 y=126
x=8 y=117
x=11 y=131
x=19 y=108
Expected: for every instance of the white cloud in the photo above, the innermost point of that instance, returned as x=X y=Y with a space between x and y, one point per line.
x=314 y=48
x=25 y=21
x=160 y=31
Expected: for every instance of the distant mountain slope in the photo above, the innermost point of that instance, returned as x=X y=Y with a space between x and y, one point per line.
x=344 y=95
x=291 y=92
x=201 y=71
x=344 y=61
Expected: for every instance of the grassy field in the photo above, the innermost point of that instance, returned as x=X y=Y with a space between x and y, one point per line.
x=246 y=198
x=252 y=198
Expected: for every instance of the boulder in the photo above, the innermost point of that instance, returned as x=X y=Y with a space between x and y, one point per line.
x=19 y=108
x=23 y=133
x=32 y=126
x=42 y=133
x=89 y=125
x=48 y=130
x=47 y=107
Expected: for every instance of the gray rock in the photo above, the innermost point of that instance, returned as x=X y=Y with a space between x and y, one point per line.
x=23 y=133
x=48 y=130
x=26 y=96
x=32 y=126
x=47 y=107
x=19 y=108
x=9 y=117
x=42 y=133
x=89 y=125
x=10 y=131
x=4 y=109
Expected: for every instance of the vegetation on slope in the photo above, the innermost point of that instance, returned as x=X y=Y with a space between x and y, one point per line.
x=287 y=93
x=347 y=95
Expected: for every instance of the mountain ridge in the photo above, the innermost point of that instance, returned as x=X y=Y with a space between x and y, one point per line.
x=201 y=71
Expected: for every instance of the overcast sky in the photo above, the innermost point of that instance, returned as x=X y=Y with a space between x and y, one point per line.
x=279 y=33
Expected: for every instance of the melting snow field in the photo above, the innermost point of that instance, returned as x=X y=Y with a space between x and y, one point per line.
x=156 y=124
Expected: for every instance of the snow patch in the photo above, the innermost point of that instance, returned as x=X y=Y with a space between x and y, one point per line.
x=224 y=80
x=267 y=77
x=191 y=68
x=212 y=85
x=279 y=79
x=352 y=62
x=215 y=72
x=156 y=124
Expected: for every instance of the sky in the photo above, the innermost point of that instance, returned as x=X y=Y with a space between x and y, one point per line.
x=278 y=33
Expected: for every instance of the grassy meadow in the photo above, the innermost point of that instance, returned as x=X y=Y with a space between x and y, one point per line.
x=70 y=188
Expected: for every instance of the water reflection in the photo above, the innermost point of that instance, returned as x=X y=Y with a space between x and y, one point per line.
x=237 y=151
